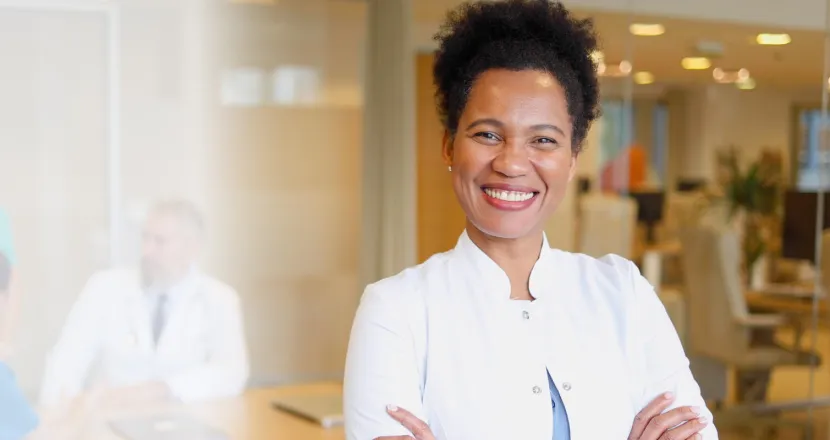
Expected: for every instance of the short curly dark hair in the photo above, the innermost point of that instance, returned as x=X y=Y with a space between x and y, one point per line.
x=517 y=35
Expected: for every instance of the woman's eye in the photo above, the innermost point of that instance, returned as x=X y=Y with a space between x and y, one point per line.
x=545 y=143
x=487 y=136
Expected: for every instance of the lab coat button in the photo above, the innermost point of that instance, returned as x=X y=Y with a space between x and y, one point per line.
x=536 y=390
x=566 y=386
x=525 y=314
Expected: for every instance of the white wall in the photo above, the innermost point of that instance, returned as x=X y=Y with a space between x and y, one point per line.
x=52 y=166
x=720 y=116
x=285 y=192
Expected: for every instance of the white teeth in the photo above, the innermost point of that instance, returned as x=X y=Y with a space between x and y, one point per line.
x=509 y=196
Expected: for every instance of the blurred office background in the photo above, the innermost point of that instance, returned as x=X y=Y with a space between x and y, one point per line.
x=305 y=130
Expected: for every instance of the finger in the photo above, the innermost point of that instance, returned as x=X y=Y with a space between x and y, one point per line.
x=415 y=425
x=654 y=408
x=688 y=430
x=662 y=423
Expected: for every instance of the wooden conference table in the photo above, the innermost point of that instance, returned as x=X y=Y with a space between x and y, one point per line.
x=788 y=299
x=248 y=417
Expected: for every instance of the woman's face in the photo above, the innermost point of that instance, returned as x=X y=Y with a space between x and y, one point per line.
x=511 y=156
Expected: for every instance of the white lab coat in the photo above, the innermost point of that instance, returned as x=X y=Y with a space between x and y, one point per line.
x=107 y=340
x=444 y=341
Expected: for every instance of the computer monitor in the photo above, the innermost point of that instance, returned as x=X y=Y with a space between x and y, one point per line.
x=649 y=209
x=690 y=185
x=799 y=230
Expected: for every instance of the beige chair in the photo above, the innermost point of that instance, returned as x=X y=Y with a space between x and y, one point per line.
x=719 y=324
x=675 y=305
x=607 y=225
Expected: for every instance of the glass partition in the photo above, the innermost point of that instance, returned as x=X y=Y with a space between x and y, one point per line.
x=180 y=204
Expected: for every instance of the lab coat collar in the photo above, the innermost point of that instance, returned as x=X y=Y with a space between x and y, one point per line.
x=493 y=278
x=139 y=316
x=182 y=288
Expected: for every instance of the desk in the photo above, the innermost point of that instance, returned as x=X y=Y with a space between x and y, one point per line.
x=249 y=417
x=790 y=290
x=794 y=303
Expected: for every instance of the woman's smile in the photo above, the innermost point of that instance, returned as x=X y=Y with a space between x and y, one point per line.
x=509 y=197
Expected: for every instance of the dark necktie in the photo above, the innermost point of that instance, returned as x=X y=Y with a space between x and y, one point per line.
x=159 y=317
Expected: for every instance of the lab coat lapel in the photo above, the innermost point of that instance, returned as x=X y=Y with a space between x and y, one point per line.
x=138 y=319
x=566 y=361
x=179 y=313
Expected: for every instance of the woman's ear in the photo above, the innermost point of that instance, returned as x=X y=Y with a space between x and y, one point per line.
x=572 y=171
x=446 y=148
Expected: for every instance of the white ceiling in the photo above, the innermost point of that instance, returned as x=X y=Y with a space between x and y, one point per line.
x=800 y=14
x=797 y=65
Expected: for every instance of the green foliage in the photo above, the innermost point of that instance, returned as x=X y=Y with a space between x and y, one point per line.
x=758 y=190
x=757 y=193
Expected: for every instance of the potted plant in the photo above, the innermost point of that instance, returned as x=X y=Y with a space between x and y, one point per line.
x=754 y=194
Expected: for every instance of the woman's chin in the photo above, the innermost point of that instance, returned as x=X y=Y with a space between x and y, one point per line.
x=504 y=231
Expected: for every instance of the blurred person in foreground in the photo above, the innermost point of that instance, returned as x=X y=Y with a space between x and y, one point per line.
x=165 y=332
x=504 y=337
x=17 y=418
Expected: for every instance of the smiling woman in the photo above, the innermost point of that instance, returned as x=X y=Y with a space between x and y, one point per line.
x=504 y=337
x=511 y=158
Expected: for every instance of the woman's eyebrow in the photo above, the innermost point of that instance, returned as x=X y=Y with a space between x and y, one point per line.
x=485 y=121
x=547 y=127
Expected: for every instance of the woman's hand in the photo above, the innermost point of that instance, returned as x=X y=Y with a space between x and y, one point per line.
x=652 y=424
x=416 y=426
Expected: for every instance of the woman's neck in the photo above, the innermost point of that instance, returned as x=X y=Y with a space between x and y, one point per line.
x=515 y=256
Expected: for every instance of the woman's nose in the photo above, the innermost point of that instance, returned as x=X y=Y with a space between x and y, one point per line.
x=512 y=160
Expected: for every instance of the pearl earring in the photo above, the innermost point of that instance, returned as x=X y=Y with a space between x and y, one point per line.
x=449 y=168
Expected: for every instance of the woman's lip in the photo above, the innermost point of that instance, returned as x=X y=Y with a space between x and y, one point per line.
x=506 y=205
x=508 y=187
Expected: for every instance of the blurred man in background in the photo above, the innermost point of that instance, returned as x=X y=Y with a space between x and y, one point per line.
x=163 y=332
x=17 y=419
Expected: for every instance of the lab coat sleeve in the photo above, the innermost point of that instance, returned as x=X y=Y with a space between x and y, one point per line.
x=665 y=365
x=381 y=365
x=225 y=371
x=70 y=361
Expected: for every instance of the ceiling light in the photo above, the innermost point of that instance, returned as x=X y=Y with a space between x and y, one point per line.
x=646 y=30
x=745 y=84
x=729 y=76
x=643 y=78
x=773 y=39
x=623 y=68
x=696 y=63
